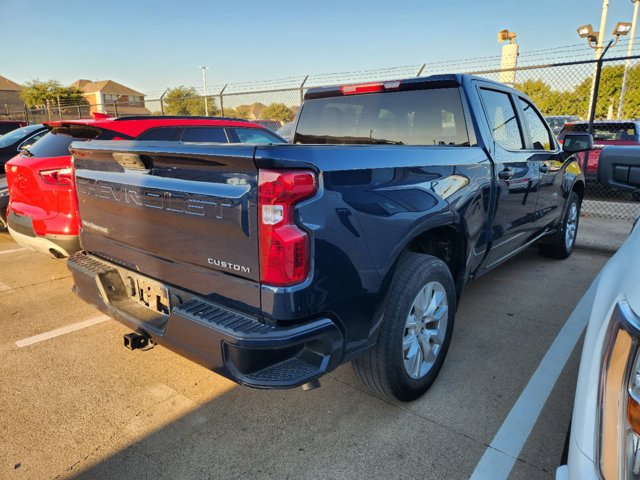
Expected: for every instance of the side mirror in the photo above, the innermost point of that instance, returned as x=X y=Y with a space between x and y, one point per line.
x=619 y=167
x=577 y=142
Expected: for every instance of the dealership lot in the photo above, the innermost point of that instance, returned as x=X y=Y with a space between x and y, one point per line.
x=79 y=404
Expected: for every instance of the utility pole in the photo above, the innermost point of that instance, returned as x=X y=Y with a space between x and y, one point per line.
x=623 y=89
x=204 y=82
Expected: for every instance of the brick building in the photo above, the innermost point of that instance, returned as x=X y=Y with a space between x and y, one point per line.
x=113 y=98
x=10 y=100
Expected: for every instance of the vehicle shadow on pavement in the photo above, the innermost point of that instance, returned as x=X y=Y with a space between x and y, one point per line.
x=332 y=432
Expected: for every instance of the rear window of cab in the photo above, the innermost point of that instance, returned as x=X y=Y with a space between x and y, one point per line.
x=427 y=117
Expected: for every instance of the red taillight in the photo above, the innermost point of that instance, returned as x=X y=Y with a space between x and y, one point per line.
x=362 y=88
x=369 y=87
x=284 y=247
x=59 y=176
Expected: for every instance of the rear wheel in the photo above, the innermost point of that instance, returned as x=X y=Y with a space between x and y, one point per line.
x=416 y=330
x=561 y=244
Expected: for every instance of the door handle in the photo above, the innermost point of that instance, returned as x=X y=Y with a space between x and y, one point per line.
x=505 y=174
x=544 y=169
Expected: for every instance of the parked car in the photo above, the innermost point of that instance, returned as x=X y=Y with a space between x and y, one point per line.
x=282 y=262
x=42 y=212
x=12 y=142
x=8 y=125
x=556 y=122
x=286 y=130
x=605 y=132
x=604 y=440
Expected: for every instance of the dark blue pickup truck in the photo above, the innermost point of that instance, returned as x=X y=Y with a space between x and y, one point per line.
x=274 y=264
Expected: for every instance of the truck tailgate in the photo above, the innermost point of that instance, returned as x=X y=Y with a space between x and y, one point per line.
x=184 y=215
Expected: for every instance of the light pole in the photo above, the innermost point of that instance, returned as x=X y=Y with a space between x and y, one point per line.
x=509 y=59
x=204 y=82
x=595 y=40
x=623 y=89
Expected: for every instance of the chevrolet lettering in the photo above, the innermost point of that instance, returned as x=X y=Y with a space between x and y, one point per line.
x=177 y=202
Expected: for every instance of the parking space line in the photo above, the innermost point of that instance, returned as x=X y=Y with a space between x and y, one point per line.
x=61 y=331
x=20 y=249
x=498 y=459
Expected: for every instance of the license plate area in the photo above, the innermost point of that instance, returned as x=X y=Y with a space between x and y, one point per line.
x=151 y=294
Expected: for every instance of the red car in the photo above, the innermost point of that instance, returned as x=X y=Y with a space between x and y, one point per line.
x=43 y=214
x=605 y=132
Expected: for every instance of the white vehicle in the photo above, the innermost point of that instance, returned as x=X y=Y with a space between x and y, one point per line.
x=605 y=428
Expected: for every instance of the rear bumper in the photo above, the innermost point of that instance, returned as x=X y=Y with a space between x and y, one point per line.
x=231 y=343
x=21 y=230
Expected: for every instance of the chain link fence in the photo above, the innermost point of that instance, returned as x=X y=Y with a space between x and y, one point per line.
x=563 y=91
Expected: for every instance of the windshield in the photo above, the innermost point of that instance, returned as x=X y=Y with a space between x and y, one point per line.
x=416 y=117
x=16 y=135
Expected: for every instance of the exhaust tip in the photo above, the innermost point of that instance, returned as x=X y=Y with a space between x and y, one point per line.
x=56 y=253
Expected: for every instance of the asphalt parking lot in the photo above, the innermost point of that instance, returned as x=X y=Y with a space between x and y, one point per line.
x=79 y=405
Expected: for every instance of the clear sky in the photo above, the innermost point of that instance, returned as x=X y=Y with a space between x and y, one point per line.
x=150 y=45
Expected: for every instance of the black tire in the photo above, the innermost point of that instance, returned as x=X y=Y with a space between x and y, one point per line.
x=3 y=224
x=557 y=246
x=382 y=368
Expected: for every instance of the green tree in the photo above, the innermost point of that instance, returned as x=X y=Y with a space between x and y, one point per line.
x=47 y=94
x=277 y=111
x=185 y=101
x=549 y=101
x=609 y=93
x=236 y=112
x=631 y=104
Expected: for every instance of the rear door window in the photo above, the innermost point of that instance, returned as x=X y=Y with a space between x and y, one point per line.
x=540 y=134
x=430 y=117
x=204 y=134
x=502 y=119
x=160 y=133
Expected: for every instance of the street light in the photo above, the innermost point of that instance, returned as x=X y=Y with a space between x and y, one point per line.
x=622 y=28
x=595 y=41
x=586 y=31
x=204 y=82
